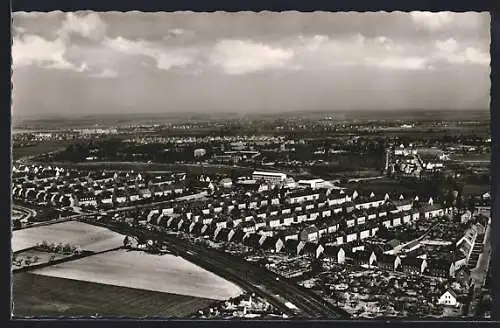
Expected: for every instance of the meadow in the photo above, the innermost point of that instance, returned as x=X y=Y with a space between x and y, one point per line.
x=163 y=273
x=44 y=296
x=85 y=236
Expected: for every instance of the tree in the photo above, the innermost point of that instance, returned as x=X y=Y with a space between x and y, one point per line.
x=126 y=241
x=67 y=248
x=59 y=248
x=17 y=224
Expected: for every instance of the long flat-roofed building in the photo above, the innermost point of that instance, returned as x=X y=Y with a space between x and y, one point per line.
x=273 y=177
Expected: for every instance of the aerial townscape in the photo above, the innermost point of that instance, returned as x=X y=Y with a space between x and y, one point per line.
x=333 y=204
x=401 y=229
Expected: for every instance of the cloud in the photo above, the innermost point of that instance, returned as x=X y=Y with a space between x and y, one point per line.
x=165 y=58
x=241 y=57
x=448 y=46
x=404 y=63
x=449 y=50
x=432 y=21
x=89 y=26
x=31 y=49
x=176 y=31
x=34 y=50
x=320 y=51
x=107 y=73
x=81 y=40
x=19 y=29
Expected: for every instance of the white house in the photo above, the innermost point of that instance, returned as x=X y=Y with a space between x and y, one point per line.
x=313 y=183
x=449 y=298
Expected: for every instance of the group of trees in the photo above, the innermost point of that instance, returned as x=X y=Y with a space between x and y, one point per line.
x=20 y=261
x=59 y=248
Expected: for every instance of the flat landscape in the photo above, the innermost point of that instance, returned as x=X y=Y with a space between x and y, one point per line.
x=164 y=273
x=86 y=236
x=40 y=148
x=37 y=296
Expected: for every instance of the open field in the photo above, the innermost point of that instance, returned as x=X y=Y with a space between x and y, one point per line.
x=86 y=236
x=37 y=295
x=39 y=149
x=165 y=273
x=475 y=189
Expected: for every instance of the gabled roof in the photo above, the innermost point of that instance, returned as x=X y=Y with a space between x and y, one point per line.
x=438 y=264
x=269 y=242
x=412 y=261
x=310 y=248
x=332 y=250
x=223 y=234
x=252 y=240
x=291 y=244
x=386 y=258
x=361 y=255
x=452 y=292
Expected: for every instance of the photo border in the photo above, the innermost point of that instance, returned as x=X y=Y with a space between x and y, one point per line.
x=260 y=5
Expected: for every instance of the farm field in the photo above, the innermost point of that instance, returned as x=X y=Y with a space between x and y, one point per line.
x=472 y=157
x=164 y=273
x=86 y=236
x=39 y=149
x=475 y=189
x=37 y=295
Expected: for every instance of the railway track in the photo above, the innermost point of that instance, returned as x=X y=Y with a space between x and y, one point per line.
x=290 y=298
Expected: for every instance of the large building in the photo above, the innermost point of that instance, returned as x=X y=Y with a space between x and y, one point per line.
x=273 y=177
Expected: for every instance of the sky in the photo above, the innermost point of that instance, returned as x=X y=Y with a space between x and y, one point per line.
x=87 y=62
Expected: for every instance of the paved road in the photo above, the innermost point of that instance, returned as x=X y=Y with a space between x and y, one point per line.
x=277 y=290
x=28 y=212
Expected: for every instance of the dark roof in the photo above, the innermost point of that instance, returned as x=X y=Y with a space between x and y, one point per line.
x=332 y=250
x=310 y=248
x=291 y=244
x=197 y=228
x=361 y=255
x=438 y=264
x=386 y=258
x=223 y=234
x=238 y=236
x=252 y=240
x=452 y=292
x=269 y=242
x=411 y=261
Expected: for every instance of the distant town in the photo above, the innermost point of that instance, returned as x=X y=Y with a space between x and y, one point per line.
x=285 y=216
